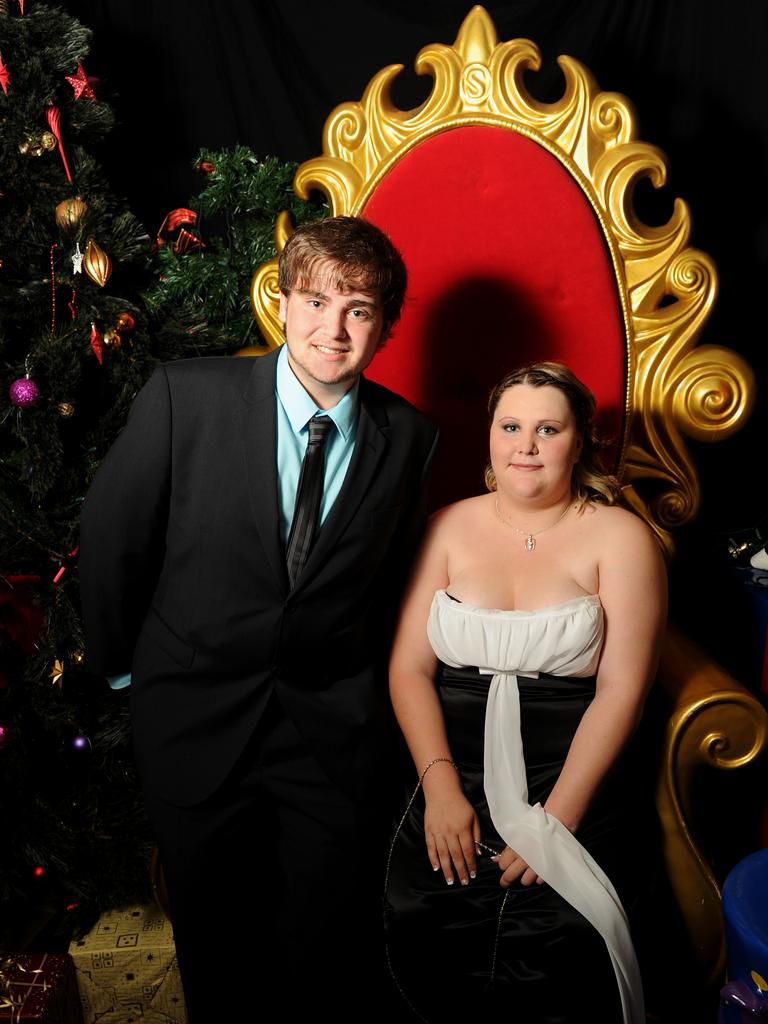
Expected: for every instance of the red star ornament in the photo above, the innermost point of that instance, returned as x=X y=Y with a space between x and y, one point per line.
x=5 y=77
x=81 y=83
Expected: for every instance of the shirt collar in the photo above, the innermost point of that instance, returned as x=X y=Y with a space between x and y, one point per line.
x=300 y=407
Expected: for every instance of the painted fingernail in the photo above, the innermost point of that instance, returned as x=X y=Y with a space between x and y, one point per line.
x=435 y=867
x=473 y=874
x=449 y=881
x=465 y=881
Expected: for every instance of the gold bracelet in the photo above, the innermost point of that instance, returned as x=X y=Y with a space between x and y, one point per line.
x=436 y=760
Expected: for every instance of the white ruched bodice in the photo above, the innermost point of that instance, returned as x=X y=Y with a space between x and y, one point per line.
x=563 y=639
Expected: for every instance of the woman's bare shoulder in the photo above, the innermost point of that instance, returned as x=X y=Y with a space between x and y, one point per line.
x=613 y=525
x=460 y=514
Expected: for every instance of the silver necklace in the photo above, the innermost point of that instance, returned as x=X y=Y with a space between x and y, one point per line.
x=530 y=542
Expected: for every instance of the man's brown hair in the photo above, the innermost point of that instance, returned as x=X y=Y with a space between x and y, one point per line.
x=359 y=254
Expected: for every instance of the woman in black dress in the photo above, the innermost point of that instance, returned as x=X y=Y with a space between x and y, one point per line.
x=527 y=642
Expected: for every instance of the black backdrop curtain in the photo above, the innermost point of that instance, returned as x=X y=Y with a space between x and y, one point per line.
x=182 y=74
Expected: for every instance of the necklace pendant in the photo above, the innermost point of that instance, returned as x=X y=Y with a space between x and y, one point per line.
x=530 y=543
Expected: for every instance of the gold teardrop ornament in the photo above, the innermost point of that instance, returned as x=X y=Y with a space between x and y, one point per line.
x=96 y=263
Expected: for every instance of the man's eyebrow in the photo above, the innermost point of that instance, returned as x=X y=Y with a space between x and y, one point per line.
x=351 y=302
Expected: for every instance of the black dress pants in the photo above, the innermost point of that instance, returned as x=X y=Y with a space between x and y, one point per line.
x=274 y=884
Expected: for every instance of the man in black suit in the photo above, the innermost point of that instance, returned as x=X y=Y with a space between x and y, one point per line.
x=258 y=689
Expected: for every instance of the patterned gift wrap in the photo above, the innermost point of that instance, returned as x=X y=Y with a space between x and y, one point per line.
x=127 y=971
x=39 y=987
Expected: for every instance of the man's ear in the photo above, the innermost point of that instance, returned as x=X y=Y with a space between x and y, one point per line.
x=283 y=310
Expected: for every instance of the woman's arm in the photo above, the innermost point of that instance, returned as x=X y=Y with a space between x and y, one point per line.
x=450 y=824
x=633 y=593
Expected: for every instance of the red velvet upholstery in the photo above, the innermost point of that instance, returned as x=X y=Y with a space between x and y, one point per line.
x=507 y=265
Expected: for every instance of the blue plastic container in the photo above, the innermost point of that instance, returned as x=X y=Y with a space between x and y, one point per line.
x=745 y=910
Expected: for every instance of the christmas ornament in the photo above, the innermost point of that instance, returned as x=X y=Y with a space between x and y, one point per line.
x=54 y=120
x=70 y=212
x=81 y=83
x=81 y=742
x=31 y=146
x=77 y=658
x=66 y=409
x=48 y=140
x=97 y=344
x=20 y=611
x=96 y=262
x=97 y=265
x=73 y=305
x=51 y=256
x=24 y=392
x=57 y=673
x=5 y=77
x=174 y=220
x=206 y=167
x=187 y=242
x=125 y=323
x=77 y=260
x=70 y=558
x=112 y=339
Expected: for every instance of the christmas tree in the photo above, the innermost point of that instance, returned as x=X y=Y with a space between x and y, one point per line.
x=89 y=304
x=236 y=211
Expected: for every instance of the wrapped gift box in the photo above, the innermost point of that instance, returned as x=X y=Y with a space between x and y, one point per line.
x=39 y=987
x=127 y=971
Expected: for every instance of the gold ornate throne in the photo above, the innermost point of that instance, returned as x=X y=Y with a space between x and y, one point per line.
x=517 y=221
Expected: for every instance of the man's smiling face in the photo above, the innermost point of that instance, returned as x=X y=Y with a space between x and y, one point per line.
x=332 y=334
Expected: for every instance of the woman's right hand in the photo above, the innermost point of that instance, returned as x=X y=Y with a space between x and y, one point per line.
x=451 y=829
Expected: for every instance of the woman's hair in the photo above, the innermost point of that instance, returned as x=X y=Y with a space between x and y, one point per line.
x=589 y=481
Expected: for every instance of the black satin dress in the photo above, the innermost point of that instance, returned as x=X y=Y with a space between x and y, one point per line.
x=480 y=953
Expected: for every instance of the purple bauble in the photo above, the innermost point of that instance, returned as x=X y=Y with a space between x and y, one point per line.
x=24 y=392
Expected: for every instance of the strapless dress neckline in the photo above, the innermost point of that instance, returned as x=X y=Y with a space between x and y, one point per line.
x=561 y=607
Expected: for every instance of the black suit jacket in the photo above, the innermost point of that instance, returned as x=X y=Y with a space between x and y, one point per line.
x=183 y=578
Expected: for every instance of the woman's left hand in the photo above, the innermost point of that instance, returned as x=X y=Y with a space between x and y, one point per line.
x=512 y=867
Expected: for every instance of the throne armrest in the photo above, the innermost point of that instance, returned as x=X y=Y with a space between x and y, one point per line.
x=713 y=720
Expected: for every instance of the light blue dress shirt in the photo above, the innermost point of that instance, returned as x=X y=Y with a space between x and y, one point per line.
x=295 y=408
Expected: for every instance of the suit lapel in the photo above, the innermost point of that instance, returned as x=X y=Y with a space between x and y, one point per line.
x=258 y=436
x=370 y=445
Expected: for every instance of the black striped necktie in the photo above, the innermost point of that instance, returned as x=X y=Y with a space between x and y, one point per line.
x=306 y=514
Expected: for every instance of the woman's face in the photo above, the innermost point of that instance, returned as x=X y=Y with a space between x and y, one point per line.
x=534 y=443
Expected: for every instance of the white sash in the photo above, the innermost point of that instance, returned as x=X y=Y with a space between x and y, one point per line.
x=546 y=844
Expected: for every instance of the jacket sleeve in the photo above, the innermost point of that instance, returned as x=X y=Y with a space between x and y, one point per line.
x=122 y=531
